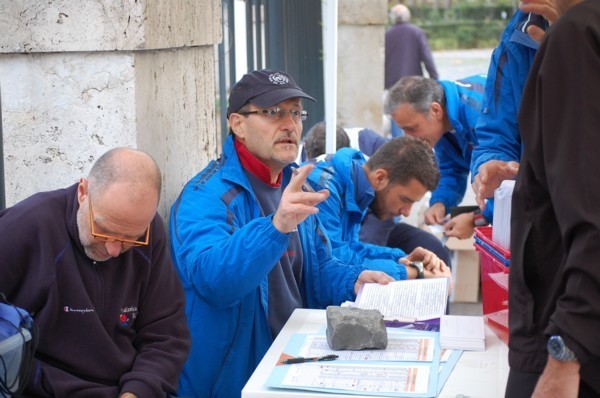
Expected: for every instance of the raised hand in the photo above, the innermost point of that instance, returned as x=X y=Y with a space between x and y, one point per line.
x=297 y=204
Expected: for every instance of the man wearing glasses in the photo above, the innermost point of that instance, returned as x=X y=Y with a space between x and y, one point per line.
x=91 y=264
x=246 y=242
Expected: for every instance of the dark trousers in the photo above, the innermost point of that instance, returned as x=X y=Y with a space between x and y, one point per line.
x=407 y=238
x=400 y=235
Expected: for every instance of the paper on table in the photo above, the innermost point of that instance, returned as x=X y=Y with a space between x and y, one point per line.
x=381 y=373
x=409 y=300
x=462 y=332
x=402 y=346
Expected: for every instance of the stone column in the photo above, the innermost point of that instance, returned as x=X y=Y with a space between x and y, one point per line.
x=81 y=77
x=360 y=63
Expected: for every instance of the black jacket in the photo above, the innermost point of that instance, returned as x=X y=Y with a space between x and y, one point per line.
x=105 y=327
x=555 y=270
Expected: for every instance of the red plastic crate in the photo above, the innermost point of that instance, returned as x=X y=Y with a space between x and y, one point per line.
x=495 y=262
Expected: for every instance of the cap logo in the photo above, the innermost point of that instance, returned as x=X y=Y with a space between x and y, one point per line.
x=278 y=78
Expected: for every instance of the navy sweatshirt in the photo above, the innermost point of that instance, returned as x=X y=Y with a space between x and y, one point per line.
x=105 y=327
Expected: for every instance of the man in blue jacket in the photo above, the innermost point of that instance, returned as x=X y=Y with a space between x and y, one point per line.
x=246 y=241
x=444 y=113
x=388 y=232
x=496 y=157
x=396 y=176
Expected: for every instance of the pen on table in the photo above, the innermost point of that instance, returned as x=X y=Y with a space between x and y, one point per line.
x=290 y=361
x=305 y=185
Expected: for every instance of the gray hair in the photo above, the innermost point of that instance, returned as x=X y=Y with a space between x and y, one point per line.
x=417 y=91
x=314 y=142
x=405 y=158
x=125 y=165
x=399 y=14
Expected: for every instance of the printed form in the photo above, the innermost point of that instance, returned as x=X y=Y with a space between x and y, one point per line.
x=371 y=378
x=401 y=347
x=409 y=366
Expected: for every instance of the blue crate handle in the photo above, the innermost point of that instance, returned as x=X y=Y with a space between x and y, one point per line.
x=494 y=252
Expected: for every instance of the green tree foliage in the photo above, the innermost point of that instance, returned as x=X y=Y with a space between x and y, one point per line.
x=454 y=24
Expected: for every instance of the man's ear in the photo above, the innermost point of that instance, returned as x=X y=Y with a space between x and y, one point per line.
x=436 y=110
x=380 y=179
x=237 y=125
x=82 y=190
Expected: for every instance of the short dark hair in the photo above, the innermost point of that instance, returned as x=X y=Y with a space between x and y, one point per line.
x=405 y=158
x=314 y=142
x=417 y=91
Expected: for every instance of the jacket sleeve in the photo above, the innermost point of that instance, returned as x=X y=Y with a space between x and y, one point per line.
x=453 y=181
x=336 y=278
x=222 y=251
x=347 y=246
x=497 y=128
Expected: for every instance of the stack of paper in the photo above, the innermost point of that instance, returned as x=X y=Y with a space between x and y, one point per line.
x=502 y=210
x=462 y=332
x=406 y=301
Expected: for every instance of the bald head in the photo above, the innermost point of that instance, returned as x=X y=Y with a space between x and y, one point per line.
x=127 y=168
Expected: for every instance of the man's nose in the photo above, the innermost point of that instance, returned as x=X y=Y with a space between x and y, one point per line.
x=114 y=248
x=287 y=120
x=405 y=210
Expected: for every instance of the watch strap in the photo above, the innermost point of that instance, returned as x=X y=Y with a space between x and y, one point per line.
x=418 y=265
x=478 y=219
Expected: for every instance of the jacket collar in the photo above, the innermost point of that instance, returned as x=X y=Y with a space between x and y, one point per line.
x=253 y=165
x=358 y=191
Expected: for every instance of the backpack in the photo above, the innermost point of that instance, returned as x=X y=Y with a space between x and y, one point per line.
x=18 y=342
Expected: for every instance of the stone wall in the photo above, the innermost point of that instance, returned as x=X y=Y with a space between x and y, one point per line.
x=361 y=34
x=78 y=78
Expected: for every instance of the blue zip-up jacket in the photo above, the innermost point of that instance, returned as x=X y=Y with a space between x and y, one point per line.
x=342 y=213
x=453 y=150
x=497 y=129
x=224 y=250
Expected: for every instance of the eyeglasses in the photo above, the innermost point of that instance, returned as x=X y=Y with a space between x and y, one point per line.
x=109 y=238
x=276 y=114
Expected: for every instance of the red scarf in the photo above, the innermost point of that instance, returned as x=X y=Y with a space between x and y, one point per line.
x=255 y=166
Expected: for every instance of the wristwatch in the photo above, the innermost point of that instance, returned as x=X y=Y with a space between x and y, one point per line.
x=559 y=350
x=418 y=265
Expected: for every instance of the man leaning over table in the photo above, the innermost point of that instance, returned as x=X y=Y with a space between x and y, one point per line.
x=396 y=176
x=246 y=241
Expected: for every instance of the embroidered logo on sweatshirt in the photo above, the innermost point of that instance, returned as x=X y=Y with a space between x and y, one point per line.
x=66 y=308
x=128 y=315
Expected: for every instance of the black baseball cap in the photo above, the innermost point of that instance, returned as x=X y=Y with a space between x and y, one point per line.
x=264 y=88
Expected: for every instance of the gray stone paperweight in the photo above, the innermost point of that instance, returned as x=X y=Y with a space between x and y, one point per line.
x=355 y=329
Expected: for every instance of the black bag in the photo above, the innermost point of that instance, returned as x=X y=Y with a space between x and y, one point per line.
x=18 y=342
